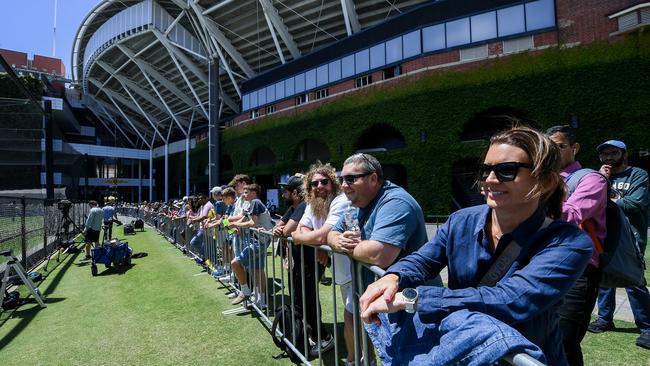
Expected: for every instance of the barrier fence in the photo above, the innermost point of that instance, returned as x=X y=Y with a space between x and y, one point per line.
x=278 y=274
x=32 y=228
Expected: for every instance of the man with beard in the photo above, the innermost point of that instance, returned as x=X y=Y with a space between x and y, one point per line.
x=585 y=207
x=292 y=193
x=630 y=192
x=325 y=205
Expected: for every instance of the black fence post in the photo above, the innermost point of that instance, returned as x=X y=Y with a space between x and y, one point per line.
x=45 y=202
x=23 y=233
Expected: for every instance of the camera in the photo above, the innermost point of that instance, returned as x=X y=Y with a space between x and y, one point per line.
x=64 y=205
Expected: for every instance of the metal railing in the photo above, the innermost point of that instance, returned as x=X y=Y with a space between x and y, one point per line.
x=33 y=228
x=275 y=279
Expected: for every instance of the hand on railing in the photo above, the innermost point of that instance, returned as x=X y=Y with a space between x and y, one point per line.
x=345 y=242
x=380 y=297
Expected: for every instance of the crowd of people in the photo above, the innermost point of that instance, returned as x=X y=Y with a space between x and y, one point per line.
x=523 y=268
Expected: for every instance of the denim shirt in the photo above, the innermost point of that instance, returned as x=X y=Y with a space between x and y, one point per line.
x=525 y=298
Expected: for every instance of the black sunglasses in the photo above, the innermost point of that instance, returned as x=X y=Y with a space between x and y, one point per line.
x=505 y=172
x=351 y=178
x=323 y=182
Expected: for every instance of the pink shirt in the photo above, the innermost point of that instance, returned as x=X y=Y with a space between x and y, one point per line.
x=588 y=201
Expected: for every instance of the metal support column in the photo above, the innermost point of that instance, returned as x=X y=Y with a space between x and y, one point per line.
x=187 y=165
x=151 y=174
x=139 y=181
x=49 y=150
x=166 y=172
x=213 y=130
x=85 y=177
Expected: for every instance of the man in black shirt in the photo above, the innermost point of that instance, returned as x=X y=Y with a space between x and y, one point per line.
x=293 y=197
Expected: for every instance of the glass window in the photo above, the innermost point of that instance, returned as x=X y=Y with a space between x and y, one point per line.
x=335 y=70
x=362 y=61
x=511 y=20
x=394 y=50
x=321 y=75
x=540 y=14
x=433 y=38
x=377 y=56
x=458 y=32
x=310 y=79
x=411 y=42
x=347 y=66
x=288 y=87
x=270 y=93
x=244 y=102
x=484 y=26
x=279 y=90
x=253 y=100
x=300 y=83
x=261 y=96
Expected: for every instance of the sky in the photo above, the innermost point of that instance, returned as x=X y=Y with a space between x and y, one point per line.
x=27 y=26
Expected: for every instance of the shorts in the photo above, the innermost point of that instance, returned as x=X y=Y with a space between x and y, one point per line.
x=252 y=256
x=92 y=236
x=346 y=295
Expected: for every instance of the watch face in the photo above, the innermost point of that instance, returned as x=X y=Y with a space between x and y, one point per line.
x=409 y=293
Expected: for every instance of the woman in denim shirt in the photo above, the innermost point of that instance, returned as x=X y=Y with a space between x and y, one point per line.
x=471 y=324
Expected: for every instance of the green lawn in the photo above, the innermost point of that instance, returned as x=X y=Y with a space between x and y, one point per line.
x=161 y=311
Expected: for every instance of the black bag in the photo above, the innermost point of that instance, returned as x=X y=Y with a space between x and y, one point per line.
x=11 y=300
x=138 y=224
x=283 y=323
x=35 y=276
x=128 y=229
x=622 y=263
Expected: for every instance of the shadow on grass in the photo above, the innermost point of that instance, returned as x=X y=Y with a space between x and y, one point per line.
x=119 y=270
x=29 y=314
x=627 y=330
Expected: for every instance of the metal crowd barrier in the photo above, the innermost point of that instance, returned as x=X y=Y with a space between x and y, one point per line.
x=272 y=278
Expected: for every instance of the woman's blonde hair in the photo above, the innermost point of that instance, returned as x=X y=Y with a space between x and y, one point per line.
x=544 y=156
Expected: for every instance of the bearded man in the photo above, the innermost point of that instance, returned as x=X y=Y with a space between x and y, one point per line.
x=325 y=205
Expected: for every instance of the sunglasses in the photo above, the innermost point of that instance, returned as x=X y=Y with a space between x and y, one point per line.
x=351 y=178
x=505 y=172
x=323 y=182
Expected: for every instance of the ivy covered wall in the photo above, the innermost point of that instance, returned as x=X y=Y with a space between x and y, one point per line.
x=605 y=87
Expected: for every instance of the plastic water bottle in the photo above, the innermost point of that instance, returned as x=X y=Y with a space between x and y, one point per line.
x=225 y=224
x=351 y=220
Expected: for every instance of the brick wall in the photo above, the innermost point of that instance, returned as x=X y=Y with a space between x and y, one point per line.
x=13 y=58
x=48 y=64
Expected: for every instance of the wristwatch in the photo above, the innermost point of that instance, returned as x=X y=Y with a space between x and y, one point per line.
x=410 y=296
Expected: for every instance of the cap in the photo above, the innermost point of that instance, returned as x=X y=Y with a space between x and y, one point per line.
x=216 y=189
x=292 y=184
x=185 y=198
x=615 y=143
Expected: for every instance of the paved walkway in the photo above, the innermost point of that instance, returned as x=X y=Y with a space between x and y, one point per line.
x=623 y=310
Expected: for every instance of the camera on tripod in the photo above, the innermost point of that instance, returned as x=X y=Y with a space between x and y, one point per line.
x=64 y=206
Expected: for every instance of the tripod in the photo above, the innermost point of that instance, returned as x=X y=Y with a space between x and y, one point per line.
x=62 y=236
x=14 y=264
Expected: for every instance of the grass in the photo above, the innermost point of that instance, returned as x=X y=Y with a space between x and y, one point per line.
x=161 y=311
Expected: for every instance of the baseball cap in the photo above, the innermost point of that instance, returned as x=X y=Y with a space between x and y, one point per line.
x=292 y=184
x=615 y=143
x=216 y=189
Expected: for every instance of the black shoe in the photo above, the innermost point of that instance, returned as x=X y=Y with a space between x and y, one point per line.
x=600 y=326
x=325 y=345
x=643 y=341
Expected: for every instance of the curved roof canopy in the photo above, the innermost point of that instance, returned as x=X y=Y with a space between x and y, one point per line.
x=143 y=64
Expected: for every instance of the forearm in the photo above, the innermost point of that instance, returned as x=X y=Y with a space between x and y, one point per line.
x=376 y=253
x=310 y=237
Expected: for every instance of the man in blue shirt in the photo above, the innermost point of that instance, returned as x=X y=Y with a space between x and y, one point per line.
x=390 y=221
x=109 y=216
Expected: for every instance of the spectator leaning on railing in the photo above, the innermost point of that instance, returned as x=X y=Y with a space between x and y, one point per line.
x=480 y=319
x=325 y=205
x=197 y=240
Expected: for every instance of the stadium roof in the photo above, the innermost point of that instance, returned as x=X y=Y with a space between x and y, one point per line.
x=144 y=64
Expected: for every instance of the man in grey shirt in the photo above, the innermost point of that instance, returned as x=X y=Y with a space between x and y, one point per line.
x=93 y=226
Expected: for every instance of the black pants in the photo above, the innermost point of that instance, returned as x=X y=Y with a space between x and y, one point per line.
x=310 y=290
x=575 y=313
x=109 y=229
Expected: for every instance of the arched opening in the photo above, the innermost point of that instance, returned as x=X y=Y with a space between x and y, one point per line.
x=396 y=173
x=380 y=137
x=262 y=156
x=486 y=123
x=465 y=192
x=312 y=149
x=226 y=163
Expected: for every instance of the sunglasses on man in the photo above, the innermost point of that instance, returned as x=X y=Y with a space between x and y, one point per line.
x=505 y=172
x=351 y=178
x=322 y=182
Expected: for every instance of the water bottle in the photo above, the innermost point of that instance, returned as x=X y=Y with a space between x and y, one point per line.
x=351 y=220
x=225 y=224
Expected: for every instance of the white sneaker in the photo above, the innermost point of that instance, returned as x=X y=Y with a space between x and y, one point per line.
x=225 y=279
x=231 y=295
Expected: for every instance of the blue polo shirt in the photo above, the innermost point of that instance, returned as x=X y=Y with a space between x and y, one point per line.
x=526 y=297
x=109 y=212
x=393 y=217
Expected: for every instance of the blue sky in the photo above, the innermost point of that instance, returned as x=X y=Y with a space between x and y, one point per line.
x=27 y=26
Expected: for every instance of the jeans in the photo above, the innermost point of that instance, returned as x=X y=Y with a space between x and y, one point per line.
x=639 y=302
x=197 y=243
x=575 y=313
x=463 y=338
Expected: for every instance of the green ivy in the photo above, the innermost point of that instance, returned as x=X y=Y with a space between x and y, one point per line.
x=605 y=86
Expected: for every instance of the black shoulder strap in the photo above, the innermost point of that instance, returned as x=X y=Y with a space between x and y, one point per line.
x=505 y=260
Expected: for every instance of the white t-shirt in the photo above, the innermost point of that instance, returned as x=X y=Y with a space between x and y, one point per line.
x=337 y=207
